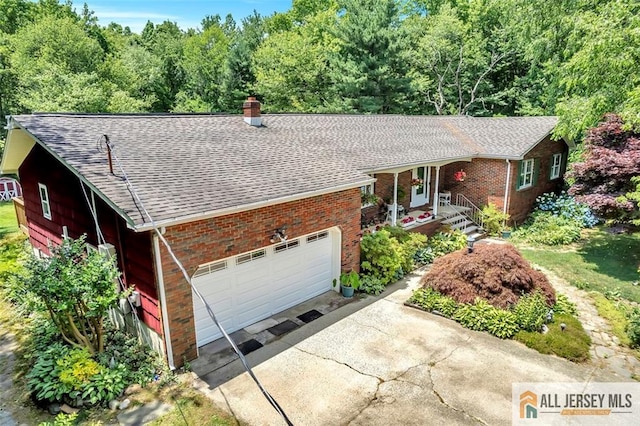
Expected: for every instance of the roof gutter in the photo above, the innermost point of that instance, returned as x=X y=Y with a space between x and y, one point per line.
x=79 y=175
x=251 y=206
x=414 y=164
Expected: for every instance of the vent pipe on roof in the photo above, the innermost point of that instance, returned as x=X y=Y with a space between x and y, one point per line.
x=251 y=110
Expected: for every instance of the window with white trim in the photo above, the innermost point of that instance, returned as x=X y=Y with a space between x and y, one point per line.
x=317 y=236
x=44 y=201
x=556 y=165
x=288 y=245
x=525 y=179
x=254 y=255
x=210 y=268
x=365 y=192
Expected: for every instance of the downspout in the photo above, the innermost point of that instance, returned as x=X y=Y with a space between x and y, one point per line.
x=163 y=303
x=436 y=194
x=506 y=188
x=394 y=216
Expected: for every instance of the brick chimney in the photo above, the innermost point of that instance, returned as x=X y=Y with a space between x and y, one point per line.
x=251 y=109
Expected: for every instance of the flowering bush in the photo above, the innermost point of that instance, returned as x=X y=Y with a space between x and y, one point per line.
x=460 y=176
x=566 y=206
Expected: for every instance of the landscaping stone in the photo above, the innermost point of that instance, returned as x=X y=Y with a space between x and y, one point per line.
x=143 y=414
x=619 y=365
x=53 y=408
x=604 y=352
x=124 y=404
x=68 y=410
x=131 y=389
x=113 y=404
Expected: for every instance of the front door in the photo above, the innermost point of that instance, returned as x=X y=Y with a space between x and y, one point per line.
x=420 y=193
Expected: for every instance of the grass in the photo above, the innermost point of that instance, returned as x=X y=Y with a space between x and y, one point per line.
x=573 y=343
x=193 y=408
x=8 y=221
x=602 y=262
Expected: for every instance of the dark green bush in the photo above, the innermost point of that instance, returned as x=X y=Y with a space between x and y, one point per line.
x=531 y=311
x=424 y=255
x=371 y=285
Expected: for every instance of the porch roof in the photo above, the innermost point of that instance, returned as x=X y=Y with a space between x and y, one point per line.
x=186 y=167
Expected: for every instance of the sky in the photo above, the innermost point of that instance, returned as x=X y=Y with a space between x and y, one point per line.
x=186 y=13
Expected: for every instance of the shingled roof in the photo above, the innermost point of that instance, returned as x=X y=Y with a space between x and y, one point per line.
x=186 y=166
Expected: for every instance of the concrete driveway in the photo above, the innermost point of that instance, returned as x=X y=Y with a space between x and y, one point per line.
x=378 y=362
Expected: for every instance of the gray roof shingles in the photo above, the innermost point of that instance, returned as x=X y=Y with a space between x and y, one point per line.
x=185 y=165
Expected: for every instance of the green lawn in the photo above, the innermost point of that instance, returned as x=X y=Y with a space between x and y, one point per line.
x=602 y=262
x=8 y=221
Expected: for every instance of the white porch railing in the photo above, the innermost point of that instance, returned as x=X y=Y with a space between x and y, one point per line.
x=472 y=211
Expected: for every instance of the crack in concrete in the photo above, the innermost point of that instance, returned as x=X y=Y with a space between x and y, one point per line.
x=370 y=326
x=443 y=402
x=434 y=363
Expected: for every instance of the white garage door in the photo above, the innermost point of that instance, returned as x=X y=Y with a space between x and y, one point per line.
x=247 y=288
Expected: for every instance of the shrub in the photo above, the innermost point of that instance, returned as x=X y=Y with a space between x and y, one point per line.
x=382 y=256
x=424 y=255
x=44 y=377
x=481 y=316
x=573 y=343
x=548 y=229
x=566 y=206
x=410 y=246
x=430 y=300
x=531 y=311
x=564 y=306
x=493 y=220
x=633 y=327
x=494 y=272
x=371 y=285
x=444 y=243
x=502 y=324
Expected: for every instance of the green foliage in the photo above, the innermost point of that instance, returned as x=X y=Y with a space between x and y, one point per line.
x=502 y=324
x=431 y=300
x=77 y=290
x=381 y=255
x=493 y=220
x=371 y=285
x=475 y=316
x=424 y=255
x=62 y=419
x=77 y=368
x=573 y=343
x=615 y=314
x=350 y=279
x=548 y=229
x=531 y=311
x=44 y=377
x=447 y=242
x=564 y=306
x=633 y=327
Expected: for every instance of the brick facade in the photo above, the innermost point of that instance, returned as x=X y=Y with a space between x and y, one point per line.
x=486 y=179
x=203 y=241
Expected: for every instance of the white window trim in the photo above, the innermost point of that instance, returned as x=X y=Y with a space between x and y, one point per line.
x=44 y=201
x=556 y=165
x=526 y=173
x=367 y=189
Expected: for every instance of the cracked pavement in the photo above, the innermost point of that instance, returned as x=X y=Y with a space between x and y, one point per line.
x=378 y=362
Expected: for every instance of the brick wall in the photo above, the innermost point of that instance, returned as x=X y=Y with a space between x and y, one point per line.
x=207 y=240
x=521 y=201
x=486 y=179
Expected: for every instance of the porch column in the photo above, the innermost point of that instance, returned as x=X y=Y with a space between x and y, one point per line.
x=436 y=194
x=394 y=215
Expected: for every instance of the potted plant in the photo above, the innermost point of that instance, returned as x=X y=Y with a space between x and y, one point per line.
x=349 y=282
x=460 y=175
x=368 y=199
x=506 y=232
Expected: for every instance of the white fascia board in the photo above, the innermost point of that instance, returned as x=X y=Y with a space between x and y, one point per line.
x=410 y=166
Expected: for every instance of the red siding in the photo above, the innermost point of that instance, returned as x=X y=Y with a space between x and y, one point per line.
x=199 y=242
x=69 y=208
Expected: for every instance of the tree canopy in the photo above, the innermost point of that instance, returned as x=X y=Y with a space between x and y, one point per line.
x=577 y=59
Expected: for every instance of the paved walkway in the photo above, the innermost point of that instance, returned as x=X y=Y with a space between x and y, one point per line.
x=378 y=362
x=606 y=351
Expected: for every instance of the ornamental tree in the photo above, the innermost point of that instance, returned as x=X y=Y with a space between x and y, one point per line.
x=77 y=289
x=610 y=160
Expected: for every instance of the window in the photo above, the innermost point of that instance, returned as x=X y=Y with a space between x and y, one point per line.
x=210 y=268
x=44 y=201
x=366 y=194
x=556 y=163
x=317 y=236
x=525 y=179
x=286 y=246
x=254 y=255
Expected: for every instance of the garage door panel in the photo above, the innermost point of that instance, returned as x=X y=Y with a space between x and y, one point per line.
x=262 y=286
